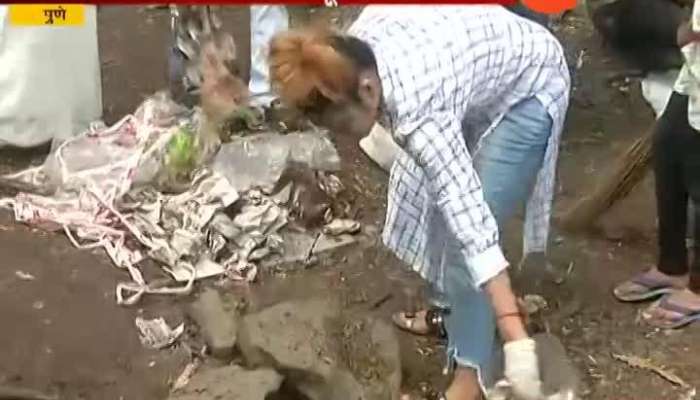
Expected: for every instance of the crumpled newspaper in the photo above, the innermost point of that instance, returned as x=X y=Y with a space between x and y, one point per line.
x=190 y=232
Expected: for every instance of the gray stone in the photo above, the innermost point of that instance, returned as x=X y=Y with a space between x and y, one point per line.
x=323 y=352
x=230 y=383
x=328 y=243
x=557 y=371
x=217 y=325
x=296 y=246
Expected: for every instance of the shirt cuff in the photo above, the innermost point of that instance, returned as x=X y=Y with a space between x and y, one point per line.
x=486 y=265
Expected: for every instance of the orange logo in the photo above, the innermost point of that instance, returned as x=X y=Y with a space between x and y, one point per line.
x=550 y=6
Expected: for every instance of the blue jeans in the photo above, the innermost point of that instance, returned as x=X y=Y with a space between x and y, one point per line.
x=507 y=163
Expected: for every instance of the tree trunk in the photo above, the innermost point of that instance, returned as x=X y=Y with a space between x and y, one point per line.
x=614 y=187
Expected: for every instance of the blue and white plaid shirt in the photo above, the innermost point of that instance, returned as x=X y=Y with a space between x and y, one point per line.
x=440 y=66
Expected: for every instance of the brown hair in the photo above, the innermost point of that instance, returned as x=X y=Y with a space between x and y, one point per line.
x=305 y=68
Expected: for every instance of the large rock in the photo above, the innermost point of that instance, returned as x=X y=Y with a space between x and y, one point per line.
x=230 y=383
x=559 y=375
x=324 y=352
x=217 y=324
x=560 y=379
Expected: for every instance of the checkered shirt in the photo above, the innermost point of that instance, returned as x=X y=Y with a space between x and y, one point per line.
x=449 y=74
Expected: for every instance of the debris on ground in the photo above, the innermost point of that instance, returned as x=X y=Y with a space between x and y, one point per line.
x=534 y=303
x=25 y=276
x=649 y=365
x=184 y=378
x=341 y=226
x=689 y=394
x=156 y=334
x=142 y=190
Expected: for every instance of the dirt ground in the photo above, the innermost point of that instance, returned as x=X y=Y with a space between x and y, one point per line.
x=64 y=333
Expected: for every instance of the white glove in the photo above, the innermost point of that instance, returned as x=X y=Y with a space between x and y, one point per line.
x=521 y=369
x=380 y=147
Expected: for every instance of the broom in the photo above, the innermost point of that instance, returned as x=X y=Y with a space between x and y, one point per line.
x=630 y=170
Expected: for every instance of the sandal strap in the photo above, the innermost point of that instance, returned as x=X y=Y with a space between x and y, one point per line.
x=434 y=319
x=666 y=304
x=649 y=283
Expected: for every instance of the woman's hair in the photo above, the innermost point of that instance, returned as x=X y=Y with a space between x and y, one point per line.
x=308 y=67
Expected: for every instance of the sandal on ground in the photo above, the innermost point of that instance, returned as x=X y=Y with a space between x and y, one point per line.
x=642 y=288
x=683 y=315
x=440 y=396
x=434 y=323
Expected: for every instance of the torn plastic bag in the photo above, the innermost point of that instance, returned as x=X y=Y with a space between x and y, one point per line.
x=258 y=161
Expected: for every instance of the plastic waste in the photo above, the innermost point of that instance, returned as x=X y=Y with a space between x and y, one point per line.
x=258 y=161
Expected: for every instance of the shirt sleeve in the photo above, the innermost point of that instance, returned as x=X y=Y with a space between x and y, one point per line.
x=437 y=145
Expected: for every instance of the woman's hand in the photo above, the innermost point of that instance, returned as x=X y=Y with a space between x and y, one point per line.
x=686 y=35
x=521 y=367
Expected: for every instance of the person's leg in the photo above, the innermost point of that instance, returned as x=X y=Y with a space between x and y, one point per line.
x=510 y=157
x=682 y=306
x=671 y=191
x=472 y=341
x=265 y=22
x=671 y=203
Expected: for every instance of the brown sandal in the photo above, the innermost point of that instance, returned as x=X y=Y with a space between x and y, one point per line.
x=434 y=322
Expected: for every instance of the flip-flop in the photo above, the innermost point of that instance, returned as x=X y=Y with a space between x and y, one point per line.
x=652 y=289
x=686 y=315
x=434 y=321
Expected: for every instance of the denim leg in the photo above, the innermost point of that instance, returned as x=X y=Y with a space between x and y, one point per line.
x=510 y=157
x=507 y=162
x=470 y=324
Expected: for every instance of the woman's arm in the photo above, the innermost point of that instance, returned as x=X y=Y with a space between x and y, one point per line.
x=438 y=146
x=505 y=305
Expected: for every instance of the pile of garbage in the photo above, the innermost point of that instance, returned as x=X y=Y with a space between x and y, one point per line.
x=142 y=190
